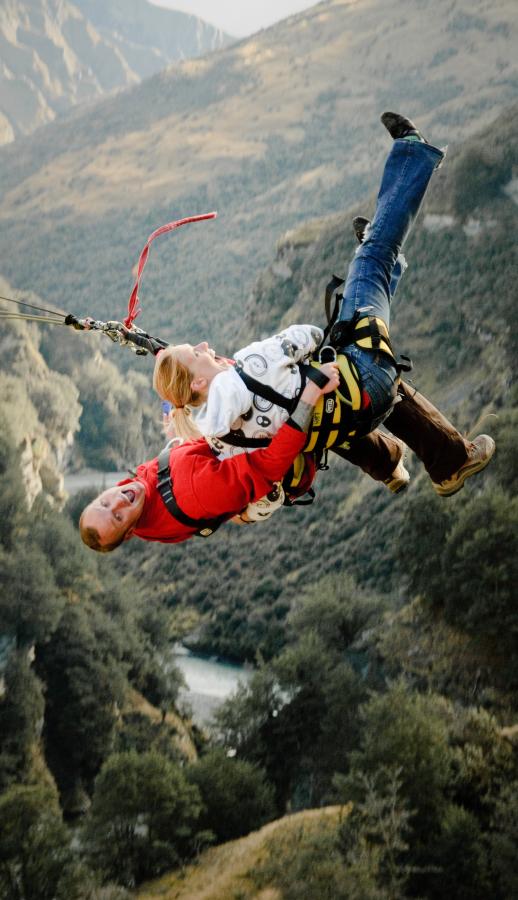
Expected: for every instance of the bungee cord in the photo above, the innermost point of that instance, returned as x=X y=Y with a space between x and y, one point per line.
x=51 y=312
x=45 y=319
x=125 y=333
x=133 y=337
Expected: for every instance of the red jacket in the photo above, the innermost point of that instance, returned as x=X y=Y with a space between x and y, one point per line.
x=205 y=487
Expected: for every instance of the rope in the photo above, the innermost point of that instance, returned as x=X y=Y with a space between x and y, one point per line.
x=45 y=319
x=52 y=312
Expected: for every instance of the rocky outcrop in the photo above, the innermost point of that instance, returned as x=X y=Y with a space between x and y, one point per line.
x=54 y=55
x=40 y=408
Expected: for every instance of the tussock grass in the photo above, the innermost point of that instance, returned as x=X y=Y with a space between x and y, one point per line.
x=224 y=872
x=138 y=703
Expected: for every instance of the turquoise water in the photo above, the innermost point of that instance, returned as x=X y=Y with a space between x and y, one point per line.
x=209 y=682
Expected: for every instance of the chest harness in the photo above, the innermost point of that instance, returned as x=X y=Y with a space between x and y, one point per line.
x=343 y=415
x=200 y=527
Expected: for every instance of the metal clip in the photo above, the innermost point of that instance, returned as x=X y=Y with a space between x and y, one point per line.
x=330 y=354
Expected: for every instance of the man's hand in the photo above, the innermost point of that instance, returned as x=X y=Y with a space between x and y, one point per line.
x=333 y=373
x=303 y=412
x=262 y=509
x=312 y=391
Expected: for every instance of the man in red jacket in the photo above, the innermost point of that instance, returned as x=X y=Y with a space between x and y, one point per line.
x=189 y=491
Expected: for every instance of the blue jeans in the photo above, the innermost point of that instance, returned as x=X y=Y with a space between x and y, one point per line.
x=370 y=280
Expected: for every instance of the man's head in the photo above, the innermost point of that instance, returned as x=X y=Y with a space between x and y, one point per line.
x=111 y=518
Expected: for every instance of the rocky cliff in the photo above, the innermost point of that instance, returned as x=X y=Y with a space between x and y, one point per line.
x=55 y=54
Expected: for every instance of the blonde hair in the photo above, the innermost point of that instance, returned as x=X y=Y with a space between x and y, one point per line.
x=172 y=382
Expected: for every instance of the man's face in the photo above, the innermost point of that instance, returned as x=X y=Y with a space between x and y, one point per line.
x=115 y=512
x=202 y=362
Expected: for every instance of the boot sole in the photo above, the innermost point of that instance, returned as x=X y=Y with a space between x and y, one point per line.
x=467 y=473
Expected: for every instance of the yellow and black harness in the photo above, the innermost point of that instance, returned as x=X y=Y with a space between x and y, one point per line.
x=343 y=415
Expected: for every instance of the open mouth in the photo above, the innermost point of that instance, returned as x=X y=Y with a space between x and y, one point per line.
x=130 y=495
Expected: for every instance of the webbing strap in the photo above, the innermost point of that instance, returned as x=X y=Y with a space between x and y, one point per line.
x=267 y=392
x=310 y=373
x=203 y=527
x=240 y=440
x=349 y=388
x=331 y=314
x=314 y=374
x=369 y=333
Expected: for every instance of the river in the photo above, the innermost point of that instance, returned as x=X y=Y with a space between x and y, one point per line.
x=209 y=682
x=92 y=478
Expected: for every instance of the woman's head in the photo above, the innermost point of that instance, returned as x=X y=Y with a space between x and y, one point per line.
x=182 y=376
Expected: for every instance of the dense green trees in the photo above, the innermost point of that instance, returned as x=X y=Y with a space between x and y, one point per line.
x=236 y=796
x=82 y=692
x=143 y=817
x=34 y=844
x=297 y=718
x=408 y=731
x=21 y=719
x=12 y=493
x=117 y=415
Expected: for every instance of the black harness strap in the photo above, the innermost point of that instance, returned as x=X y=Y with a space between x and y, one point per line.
x=346 y=332
x=240 y=440
x=267 y=392
x=202 y=527
x=314 y=375
x=331 y=314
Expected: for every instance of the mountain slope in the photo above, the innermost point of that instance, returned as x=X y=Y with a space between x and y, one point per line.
x=59 y=54
x=271 y=131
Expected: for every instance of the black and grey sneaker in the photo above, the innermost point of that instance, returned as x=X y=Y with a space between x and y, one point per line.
x=400 y=127
x=360 y=224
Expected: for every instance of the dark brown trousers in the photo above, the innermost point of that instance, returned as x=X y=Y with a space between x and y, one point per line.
x=417 y=422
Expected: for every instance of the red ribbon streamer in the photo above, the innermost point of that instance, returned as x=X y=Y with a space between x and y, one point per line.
x=133 y=306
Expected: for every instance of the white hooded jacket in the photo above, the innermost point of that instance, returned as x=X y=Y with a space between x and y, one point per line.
x=230 y=406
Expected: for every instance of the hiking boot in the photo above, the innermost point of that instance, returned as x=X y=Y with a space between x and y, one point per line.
x=400 y=127
x=399 y=479
x=479 y=454
x=360 y=224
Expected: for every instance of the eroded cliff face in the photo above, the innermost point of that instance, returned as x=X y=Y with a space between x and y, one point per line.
x=55 y=55
x=40 y=407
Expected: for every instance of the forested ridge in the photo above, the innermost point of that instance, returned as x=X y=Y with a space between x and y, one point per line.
x=384 y=629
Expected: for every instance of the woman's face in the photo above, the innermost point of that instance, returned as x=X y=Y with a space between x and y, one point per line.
x=202 y=362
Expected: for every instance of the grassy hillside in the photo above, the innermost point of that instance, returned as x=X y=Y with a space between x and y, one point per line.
x=272 y=131
x=227 y=872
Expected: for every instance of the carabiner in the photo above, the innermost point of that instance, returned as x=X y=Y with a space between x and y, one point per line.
x=330 y=354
